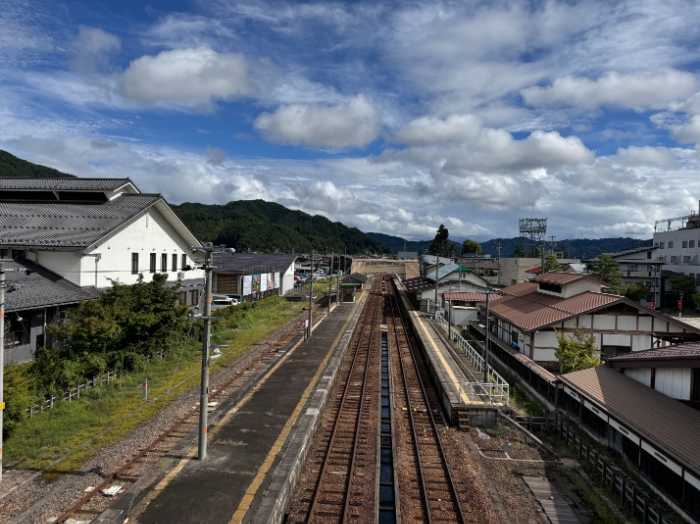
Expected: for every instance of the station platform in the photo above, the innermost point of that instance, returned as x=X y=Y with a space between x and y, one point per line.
x=245 y=444
x=461 y=394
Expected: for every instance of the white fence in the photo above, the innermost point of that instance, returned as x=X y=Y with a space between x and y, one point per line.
x=72 y=393
x=496 y=389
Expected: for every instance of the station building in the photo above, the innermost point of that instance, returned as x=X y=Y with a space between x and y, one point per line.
x=622 y=407
x=68 y=238
x=527 y=317
x=250 y=275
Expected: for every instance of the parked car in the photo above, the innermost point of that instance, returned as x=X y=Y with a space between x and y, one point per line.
x=222 y=301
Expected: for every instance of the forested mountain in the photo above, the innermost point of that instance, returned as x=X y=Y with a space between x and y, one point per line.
x=582 y=248
x=267 y=226
x=13 y=167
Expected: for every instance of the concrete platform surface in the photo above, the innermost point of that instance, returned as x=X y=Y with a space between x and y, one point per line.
x=245 y=444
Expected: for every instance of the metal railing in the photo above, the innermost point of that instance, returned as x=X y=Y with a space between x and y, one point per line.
x=496 y=389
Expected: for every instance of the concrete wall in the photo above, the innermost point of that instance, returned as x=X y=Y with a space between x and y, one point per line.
x=674 y=382
x=287 y=283
x=150 y=233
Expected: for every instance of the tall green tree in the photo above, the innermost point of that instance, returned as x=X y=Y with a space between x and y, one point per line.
x=608 y=271
x=551 y=264
x=440 y=246
x=576 y=352
x=471 y=247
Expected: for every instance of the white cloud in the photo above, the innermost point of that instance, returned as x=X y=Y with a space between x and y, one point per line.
x=195 y=77
x=354 y=123
x=645 y=90
x=92 y=49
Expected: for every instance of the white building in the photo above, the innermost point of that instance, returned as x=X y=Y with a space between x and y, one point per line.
x=529 y=316
x=677 y=243
x=89 y=233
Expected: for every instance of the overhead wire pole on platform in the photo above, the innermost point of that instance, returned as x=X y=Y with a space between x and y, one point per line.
x=2 y=356
x=311 y=293
x=208 y=250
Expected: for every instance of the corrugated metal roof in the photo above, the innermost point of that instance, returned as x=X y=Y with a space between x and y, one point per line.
x=251 y=263
x=67 y=225
x=668 y=423
x=685 y=351
x=31 y=286
x=63 y=184
x=529 y=310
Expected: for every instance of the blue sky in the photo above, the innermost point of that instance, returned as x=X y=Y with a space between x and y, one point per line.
x=392 y=117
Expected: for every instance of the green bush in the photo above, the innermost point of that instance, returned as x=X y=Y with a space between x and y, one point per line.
x=120 y=330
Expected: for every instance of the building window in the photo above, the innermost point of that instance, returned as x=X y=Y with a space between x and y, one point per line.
x=661 y=245
x=691 y=244
x=152 y=267
x=164 y=263
x=183 y=265
x=674 y=259
x=684 y=244
x=174 y=262
x=134 y=263
x=670 y=244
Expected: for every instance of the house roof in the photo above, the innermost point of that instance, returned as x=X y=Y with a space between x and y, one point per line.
x=245 y=263
x=467 y=296
x=630 y=251
x=688 y=351
x=355 y=278
x=62 y=225
x=417 y=284
x=667 y=423
x=31 y=286
x=561 y=278
x=529 y=310
x=63 y=184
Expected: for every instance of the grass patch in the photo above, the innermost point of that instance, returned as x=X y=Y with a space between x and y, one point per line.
x=62 y=439
x=594 y=499
x=523 y=404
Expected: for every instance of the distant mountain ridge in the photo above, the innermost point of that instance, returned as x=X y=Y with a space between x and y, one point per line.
x=268 y=226
x=14 y=167
x=582 y=248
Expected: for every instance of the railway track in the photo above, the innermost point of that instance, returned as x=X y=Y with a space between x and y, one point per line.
x=169 y=443
x=343 y=464
x=340 y=481
x=425 y=478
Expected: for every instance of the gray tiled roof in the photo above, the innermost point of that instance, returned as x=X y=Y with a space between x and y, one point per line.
x=31 y=286
x=67 y=225
x=685 y=351
x=62 y=184
x=251 y=263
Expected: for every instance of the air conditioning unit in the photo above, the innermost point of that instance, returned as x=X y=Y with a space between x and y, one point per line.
x=181 y=275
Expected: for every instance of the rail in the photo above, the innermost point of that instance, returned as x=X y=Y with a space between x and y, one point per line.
x=415 y=416
x=496 y=390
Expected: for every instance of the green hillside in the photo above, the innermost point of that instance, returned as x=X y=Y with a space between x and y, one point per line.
x=13 y=167
x=270 y=227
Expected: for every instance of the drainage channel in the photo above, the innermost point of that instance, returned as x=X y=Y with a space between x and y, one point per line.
x=387 y=494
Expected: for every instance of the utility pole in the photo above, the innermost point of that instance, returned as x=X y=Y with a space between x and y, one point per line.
x=436 y=285
x=311 y=292
x=2 y=356
x=486 y=343
x=498 y=259
x=330 y=283
x=208 y=250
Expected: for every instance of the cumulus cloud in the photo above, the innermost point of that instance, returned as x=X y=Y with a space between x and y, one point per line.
x=92 y=49
x=644 y=90
x=195 y=77
x=354 y=123
x=460 y=142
